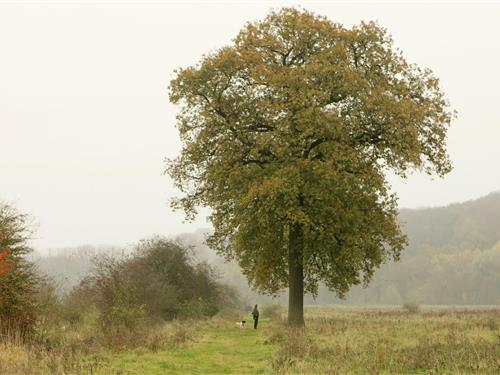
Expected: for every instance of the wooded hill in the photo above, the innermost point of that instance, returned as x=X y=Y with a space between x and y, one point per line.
x=470 y=225
x=453 y=257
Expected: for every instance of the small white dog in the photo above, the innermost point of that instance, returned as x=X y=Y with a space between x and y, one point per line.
x=241 y=324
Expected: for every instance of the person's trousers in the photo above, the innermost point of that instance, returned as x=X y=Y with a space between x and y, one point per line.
x=255 y=321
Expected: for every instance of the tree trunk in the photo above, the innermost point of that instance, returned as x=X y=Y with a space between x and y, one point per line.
x=295 y=278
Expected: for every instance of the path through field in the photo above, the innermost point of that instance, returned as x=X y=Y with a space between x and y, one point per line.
x=213 y=351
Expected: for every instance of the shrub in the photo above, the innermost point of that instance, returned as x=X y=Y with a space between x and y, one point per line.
x=159 y=282
x=196 y=309
x=18 y=279
x=114 y=295
x=78 y=302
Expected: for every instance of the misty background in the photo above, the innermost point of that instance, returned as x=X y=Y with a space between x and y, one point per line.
x=85 y=127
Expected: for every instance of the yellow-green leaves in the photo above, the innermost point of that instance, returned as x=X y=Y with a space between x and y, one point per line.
x=296 y=123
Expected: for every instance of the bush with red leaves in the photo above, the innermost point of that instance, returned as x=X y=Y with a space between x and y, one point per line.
x=17 y=275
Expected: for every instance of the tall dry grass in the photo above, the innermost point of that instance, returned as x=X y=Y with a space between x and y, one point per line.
x=78 y=350
x=391 y=342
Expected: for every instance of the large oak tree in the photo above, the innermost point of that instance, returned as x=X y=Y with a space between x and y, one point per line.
x=288 y=134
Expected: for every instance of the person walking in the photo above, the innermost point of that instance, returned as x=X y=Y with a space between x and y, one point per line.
x=255 y=314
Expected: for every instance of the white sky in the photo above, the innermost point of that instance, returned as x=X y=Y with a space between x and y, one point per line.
x=85 y=121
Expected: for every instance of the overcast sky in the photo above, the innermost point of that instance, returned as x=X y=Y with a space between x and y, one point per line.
x=85 y=122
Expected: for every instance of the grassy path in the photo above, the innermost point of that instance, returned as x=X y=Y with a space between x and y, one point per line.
x=214 y=350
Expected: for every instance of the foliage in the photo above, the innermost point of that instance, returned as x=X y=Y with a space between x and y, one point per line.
x=18 y=279
x=287 y=135
x=115 y=298
x=160 y=281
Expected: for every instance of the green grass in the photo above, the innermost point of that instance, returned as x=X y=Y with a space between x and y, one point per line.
x=336 y=341
x=218 y=348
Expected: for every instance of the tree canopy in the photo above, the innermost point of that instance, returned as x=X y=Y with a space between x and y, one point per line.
x=288 y=134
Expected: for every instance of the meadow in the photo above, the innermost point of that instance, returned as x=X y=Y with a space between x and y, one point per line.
x=337 y=340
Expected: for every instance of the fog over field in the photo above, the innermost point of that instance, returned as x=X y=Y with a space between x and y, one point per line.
x=85 y=121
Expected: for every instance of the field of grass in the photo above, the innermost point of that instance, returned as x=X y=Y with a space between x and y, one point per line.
x=394 y=342
x=336 y=341
x=217 y=347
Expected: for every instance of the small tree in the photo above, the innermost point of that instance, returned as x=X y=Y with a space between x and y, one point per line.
x=288 y=134
x=17 y=276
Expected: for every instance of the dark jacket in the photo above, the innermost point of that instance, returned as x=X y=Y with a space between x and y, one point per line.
x=255 y=312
